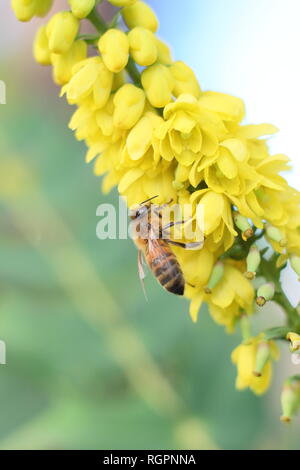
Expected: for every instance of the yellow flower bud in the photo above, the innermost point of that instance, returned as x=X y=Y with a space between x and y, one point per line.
x=129 y=104
x=215 y=278
x=41 y=48
x=61 y=31
x=140 y=14
x=243 y=224
x=122 y=3
x=114 y=48
x=81 y=8
x=275 y=234
x=164 y=55
x=185 y=80
x=63 y=63
x=158 y=85
x=294 y=339
x=253 y=262
x=26 y=9
x=263 y=355
x=290 y=399
x=143 y=48
x=265 y=293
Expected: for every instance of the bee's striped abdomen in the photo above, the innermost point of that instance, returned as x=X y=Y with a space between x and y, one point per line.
x=167 y=271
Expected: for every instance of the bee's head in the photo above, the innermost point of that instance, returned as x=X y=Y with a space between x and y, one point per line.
x=142 y=210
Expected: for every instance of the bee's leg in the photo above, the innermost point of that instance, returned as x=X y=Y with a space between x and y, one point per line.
x=189 y=284
x=186 y=246
x=171 y=224
x=141 y=271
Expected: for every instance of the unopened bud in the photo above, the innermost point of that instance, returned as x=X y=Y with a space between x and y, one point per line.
x=114 y=48
x=158 y=84
x=253 y=262
x=243 y=224
x=143 y=46
x=81 y=8
x=41 y=50
x=140 y=14
x=216 y=276
x=265 y=293
x=185 y=80
x=290 y=399
x=129 y=104
x=294 y=339
x=273 y=233
x=61 y=31
x=295 y=263
x=263 y=355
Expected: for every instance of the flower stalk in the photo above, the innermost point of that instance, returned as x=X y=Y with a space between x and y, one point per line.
x=151 y=130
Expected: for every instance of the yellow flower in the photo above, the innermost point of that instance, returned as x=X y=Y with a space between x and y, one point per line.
x=232 y=295
x=61 y=31
x=143 y=46
x=41 y=50
x=81 y=8
x=227 y=171
x=129 y=104
x=140 y=14
x=96 y=127
x=245 y=358
x=114 y=48
x=90 y=80
x=64 y=63
x=26 y=9
x=185 y=80
x=138 y=184
x=197 y=266
x=141 y=141
x=294 y=339
x=216 y=210
x=158 y=84
x=188 y=131
x=228 y=108
x=217 y=218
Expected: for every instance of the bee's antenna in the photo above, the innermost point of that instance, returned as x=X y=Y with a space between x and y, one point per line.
x=148 y=200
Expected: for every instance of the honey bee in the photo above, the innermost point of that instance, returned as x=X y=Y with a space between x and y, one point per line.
x=155 y=248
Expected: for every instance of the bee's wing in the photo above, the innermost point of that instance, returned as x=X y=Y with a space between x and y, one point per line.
x=141 y=271
x=156 y=249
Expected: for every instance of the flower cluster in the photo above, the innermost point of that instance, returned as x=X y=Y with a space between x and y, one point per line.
x=151 y=130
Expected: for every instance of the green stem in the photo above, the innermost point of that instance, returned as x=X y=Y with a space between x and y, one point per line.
x=291 y=312
x=133 y=71
x=245 y=327
x=271 y=273
x=96 y=19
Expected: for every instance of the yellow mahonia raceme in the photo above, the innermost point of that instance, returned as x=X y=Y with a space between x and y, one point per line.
x=151 y=130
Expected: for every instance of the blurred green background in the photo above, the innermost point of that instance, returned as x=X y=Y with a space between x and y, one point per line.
x=90 y=364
